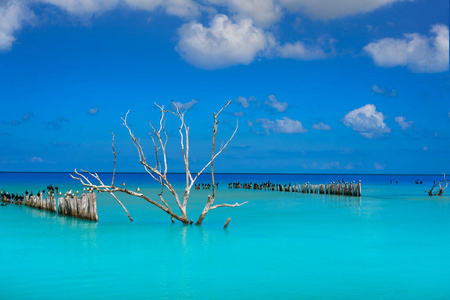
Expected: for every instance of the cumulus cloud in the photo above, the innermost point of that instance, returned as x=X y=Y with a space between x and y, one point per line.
x=421 y=54
x=367 y=121
x=322 y=126
x=329 y=9
x=225 y=43
x=283 y=125
x=245 y=102
x=185 y=106
x=402 y=123
x=93 y=111
x=262 y=12
x=13 y=14
x=384 y=91
x=279 y=106
x=300 y=51
x=83 y=6
x=180 y=8
x=144 y=4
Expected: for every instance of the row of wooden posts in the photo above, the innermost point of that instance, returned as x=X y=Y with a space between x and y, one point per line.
x=333 y=188
x=82 y=206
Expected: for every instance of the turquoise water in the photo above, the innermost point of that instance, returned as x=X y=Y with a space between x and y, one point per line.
x=393 y=243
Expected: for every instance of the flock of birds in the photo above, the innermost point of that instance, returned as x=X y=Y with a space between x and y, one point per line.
x=51 y=190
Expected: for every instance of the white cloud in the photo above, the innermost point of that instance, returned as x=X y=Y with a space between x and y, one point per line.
x=419 y=53
x=185 y=106
x=279 y=106
x=238 y=114
x=283 y=125
x=245 y=102
x=93 y=111
x=223 y=44
x=36 y=159
x=331 y=9
x=384 y=91
x=12 y=16
x=182 y=8
x=425 y=148
x=322 y=126
x=262 y=12
x=379 y=166
x=367 y=121
x=401 y=122
x=83 y=6
x=144 y=4
x=301 y=52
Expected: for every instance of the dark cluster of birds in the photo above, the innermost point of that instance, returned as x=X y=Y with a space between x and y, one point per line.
x=6 y=197
x=261 y=186
x=268 y=186
x=11 y=198
x=205 y=186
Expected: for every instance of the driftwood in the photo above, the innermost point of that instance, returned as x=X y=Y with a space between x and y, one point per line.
x=438 y=188
x=159 y=170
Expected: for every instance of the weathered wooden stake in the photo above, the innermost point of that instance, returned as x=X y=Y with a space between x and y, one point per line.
x=226 y=223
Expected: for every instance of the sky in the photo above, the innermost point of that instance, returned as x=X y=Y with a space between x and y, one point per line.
x=325 y=86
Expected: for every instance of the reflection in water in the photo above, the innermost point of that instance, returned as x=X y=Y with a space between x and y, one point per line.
x=342 y=200
x=37 y=213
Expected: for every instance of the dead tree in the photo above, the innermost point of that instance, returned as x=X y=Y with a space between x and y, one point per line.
x=438 y=188
x=159 y=170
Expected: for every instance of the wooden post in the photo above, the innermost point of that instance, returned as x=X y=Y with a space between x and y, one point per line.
x=359 y=188
x=226 y=223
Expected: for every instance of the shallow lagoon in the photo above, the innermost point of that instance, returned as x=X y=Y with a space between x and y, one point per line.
x=391 y=243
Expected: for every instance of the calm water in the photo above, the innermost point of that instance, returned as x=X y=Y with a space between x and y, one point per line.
x=393 y=243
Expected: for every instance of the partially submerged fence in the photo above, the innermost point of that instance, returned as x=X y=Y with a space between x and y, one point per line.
x=82 y=206
x=334 y=188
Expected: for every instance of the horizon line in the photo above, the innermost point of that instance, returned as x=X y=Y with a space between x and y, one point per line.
x=236 y=173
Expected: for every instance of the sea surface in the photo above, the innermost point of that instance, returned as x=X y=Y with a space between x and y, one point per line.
x=391 y=243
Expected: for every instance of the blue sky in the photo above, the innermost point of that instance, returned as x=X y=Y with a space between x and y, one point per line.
x=324 y=86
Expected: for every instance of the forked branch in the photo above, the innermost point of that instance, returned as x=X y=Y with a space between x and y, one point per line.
x=438 y=188
x=160 y=170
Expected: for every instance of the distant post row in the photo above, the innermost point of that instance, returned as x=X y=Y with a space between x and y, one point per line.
x=82 y=206
x=334 y=188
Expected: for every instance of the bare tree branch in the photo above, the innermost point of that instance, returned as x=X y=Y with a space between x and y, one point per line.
x=115 y=157
x=435 y=191
x=227 y=205
x=160 y=170
x=211 y=199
